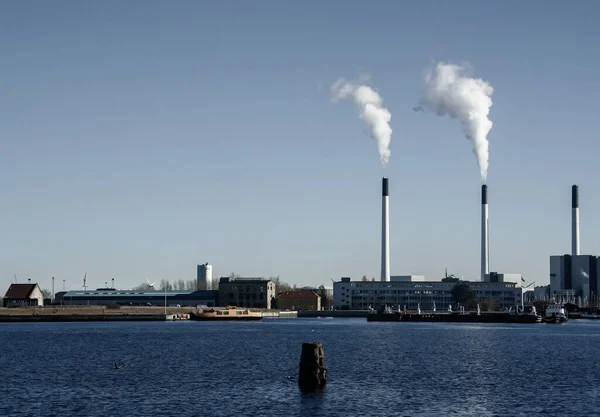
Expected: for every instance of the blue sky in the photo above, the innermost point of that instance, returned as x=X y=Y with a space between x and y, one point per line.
x=141 y=138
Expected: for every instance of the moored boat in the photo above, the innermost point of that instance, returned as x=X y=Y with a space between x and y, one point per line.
x=455 y=317
x=225 y=314
x=555 y=313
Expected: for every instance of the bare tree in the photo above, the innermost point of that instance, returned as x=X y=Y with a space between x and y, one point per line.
x=165 y=285
x=192 y=285
x=180 y=285
x=46 y=293
x=144 y=286
x=213 y=284
x=364 y=278
x=280 y=286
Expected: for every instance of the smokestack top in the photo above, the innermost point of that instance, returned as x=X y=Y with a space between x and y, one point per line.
x=384 y=187
x=484 y=194
x=575 y=196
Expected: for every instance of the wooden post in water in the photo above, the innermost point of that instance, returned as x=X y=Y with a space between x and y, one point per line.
x=313 y=372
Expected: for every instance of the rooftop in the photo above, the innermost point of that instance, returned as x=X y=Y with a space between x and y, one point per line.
x=129 y=293
x=20 y=290
x=299 y=294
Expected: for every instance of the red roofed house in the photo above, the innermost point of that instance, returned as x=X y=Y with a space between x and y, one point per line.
x=299 y=300
x=21 y=295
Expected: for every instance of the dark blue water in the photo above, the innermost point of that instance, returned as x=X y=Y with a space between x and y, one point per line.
x=249 y=369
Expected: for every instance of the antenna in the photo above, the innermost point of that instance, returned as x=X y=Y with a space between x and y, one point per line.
x=15 y=278
x=84 y=279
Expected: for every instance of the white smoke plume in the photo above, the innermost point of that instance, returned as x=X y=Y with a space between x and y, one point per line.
x=450 y=91
x=371 y=111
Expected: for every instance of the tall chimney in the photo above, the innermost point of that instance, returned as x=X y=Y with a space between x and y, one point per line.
x=575 y=220
x=385 y=231
x=485 y=252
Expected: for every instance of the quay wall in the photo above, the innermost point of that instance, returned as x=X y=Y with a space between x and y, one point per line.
x=42 y=318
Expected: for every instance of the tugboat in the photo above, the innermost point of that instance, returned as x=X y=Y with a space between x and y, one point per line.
x=555 y=313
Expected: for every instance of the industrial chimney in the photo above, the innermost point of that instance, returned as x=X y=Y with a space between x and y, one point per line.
x=485 y=262
x=575 y=220
x=385 y=231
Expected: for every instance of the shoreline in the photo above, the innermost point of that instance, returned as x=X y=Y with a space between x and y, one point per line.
x=52 y=314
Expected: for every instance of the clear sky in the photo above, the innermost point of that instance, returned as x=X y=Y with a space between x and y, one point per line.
x=140 y=138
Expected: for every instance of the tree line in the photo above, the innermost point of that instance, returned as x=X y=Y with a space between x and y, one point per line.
x=178 y=285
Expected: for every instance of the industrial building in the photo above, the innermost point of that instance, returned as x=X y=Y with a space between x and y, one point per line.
x=497 y=290
x=414 y=293
x=103 y=297
x=247 y=292
x=575 y=277
x=23 y=295
x=204 y=276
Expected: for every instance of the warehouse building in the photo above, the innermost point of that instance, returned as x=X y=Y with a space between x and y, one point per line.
x=104 y=297
x=299 y=300
x=247 y=292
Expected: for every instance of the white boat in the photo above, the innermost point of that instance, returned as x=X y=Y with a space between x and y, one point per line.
x=555 y=313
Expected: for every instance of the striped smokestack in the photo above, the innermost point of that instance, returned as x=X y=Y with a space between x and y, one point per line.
x=575 y=220
x=385 y=231
x=485 y=262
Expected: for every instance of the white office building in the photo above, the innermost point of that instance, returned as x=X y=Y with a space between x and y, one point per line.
x=360 y=295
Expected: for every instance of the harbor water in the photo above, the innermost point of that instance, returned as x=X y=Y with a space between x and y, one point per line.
x=185 y=368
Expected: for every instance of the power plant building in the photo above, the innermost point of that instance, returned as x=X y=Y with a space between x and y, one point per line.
x=574 y=276
x=496 y=291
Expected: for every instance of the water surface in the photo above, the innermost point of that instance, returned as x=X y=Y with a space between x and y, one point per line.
x=250 y=369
